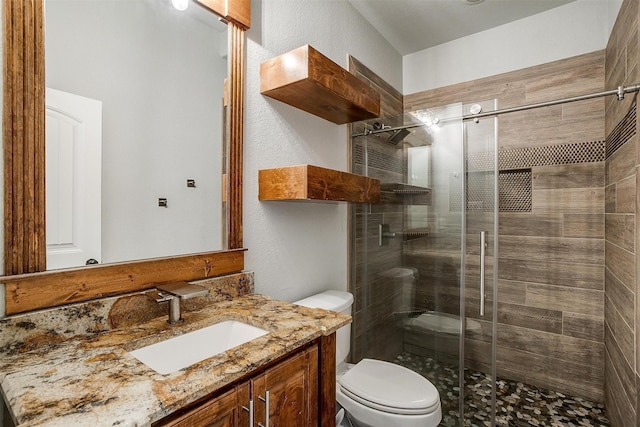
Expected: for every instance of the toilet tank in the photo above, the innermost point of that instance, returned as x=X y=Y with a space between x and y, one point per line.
x=335 y=301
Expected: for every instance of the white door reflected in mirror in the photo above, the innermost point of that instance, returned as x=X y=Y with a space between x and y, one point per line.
x=73 y=176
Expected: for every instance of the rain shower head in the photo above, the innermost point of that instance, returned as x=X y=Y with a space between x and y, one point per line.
x=397 y=136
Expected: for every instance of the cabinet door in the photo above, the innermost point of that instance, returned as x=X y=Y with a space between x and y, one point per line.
x=221 y=411
x=292 y=388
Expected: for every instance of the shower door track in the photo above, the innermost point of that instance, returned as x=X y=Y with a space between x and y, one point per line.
x=619 y=92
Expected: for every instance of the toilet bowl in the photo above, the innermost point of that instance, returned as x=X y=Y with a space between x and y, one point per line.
x=375 y=393
x=443 y=323
x=437 y=335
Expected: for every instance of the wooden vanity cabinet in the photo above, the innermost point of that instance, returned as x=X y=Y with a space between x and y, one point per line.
x=220 y=411
x=289 y=389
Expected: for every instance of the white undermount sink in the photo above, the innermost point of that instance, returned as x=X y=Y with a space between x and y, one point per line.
x=179 y=352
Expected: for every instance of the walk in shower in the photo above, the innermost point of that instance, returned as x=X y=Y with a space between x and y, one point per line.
x=421 y=251
x=424 y=258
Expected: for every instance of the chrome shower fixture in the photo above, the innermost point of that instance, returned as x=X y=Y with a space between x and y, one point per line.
x=380 y=126
x=476 y=109
x=398 y=136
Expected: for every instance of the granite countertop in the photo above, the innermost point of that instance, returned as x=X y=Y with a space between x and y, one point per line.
x=92 y=380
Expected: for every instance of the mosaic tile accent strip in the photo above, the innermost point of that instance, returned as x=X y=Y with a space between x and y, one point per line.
x=479 y=197
x=515 y=190
x=623 y=131
x=519 y=158
x=480 y=191
x=581 y=152
x=482 y=161
x=515 y=169
x=514 y=179
x=527 y=157
x=455 y=192
x=379 y=160
x=517 y=404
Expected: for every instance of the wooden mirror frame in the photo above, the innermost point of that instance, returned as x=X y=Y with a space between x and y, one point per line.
x=27 y=285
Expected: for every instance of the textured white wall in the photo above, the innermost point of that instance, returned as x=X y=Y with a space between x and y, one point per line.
x=300 y=248
x=576 y=28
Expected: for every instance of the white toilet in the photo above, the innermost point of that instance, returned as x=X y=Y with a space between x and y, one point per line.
x=375 y=393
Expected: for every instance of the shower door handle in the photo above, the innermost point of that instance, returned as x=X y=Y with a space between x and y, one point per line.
x=483 y=246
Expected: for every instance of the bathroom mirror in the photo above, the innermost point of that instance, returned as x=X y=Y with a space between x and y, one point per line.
x=27 y=285
x=147 y=181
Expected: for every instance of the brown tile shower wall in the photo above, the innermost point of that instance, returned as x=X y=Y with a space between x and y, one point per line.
x=551 y=260
x=374 y=333
x=622 y=296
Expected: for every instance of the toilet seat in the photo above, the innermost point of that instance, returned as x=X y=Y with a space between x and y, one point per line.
x=389 y=388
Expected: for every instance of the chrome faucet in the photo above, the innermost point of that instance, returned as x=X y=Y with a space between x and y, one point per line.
x=173 y=293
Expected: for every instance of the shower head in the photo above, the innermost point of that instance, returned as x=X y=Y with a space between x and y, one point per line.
x=397 y=136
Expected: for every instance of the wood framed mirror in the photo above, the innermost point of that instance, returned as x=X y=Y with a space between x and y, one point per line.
x=27 y=285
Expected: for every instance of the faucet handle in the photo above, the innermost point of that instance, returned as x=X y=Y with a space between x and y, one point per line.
x=183 y=290
x=158 y=296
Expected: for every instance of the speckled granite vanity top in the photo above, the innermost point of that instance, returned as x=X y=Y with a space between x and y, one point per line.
x=91 y=379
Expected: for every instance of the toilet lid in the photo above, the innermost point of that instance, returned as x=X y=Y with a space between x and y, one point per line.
x=390 y=388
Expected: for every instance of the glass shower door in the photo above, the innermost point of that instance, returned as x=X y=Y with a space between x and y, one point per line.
x=433 y=332
x=479 y=294
x=413 y=260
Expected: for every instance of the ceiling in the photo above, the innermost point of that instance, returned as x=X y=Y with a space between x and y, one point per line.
x=413 y=25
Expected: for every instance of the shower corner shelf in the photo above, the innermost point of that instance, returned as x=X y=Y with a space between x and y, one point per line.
x=307 y=182
x=306 y=79
x=398 y=191
x=385 y=233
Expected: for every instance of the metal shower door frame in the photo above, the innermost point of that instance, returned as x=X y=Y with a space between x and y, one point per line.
x=494 y=296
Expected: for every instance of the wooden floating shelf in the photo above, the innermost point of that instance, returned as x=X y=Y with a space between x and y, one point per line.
x=307 y=182
x=308 y=80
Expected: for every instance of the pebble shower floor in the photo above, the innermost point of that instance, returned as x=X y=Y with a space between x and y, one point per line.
x=518 y=404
